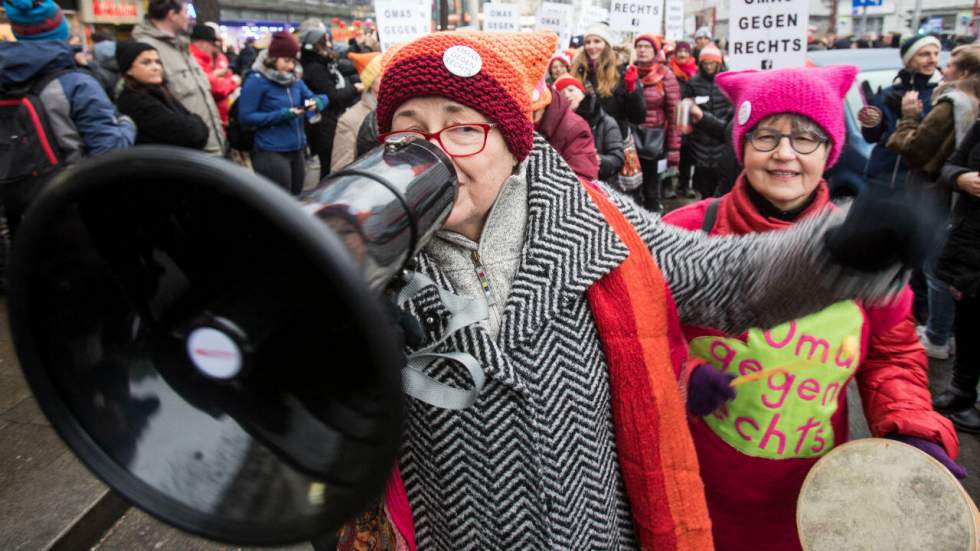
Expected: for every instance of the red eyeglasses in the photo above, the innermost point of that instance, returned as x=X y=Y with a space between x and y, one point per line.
x=458 y=140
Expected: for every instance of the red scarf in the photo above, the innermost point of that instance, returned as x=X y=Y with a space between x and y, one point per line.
x=641 y=336
x=738 y=215
x=652 y=73
x=684 y=71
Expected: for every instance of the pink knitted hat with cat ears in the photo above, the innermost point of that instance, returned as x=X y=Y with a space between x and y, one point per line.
x=816 y=93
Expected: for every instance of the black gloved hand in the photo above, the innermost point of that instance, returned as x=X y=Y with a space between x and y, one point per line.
x=881 y=231
x=405 y=328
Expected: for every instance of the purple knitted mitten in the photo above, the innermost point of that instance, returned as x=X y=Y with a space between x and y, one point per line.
x=708 y=389
x=935 y=450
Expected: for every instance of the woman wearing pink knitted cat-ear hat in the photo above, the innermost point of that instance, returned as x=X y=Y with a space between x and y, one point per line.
x=759 y=430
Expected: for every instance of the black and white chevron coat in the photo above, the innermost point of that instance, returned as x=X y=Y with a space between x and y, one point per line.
x=532 y=464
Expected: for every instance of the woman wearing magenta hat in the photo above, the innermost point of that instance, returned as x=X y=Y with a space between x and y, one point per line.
x=755 y=453
x=554 y=419
x=274 y=101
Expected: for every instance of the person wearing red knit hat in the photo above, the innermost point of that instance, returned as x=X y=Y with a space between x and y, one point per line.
x=556 y=421
x=567 y=132
x=559 y=66
x=682 y=63
x=789 y=130
x=662 y=93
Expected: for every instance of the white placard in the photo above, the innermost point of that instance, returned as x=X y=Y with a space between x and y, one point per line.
x=767 y=35
x=499 y=17
x=402 y=20
x=690 y=25
x=674 y=20
x=556 y=18
x=590 y=14
x=636 y=16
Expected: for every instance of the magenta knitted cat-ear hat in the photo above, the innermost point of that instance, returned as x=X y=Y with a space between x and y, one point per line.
x=816 y=93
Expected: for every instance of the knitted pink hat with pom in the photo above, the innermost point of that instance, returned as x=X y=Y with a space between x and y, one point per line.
x=816 y=93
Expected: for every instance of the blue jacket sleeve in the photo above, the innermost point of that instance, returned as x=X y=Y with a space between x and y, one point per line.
x=248 y=105
x=95 y=116
x=306 y=93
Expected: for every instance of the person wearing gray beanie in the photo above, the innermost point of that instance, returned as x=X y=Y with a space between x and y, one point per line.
x=323 y=74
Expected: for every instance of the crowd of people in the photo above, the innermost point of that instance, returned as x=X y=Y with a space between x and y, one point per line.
x=613 y=335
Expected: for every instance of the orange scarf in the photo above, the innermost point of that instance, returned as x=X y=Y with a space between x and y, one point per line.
x=640 y=332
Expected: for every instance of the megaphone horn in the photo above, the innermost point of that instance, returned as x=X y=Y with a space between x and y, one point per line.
x=212 y=352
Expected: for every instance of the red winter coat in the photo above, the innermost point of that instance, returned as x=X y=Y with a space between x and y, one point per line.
x=753 y=474
x=221 y=87
x=570 y=135
x=662 y=93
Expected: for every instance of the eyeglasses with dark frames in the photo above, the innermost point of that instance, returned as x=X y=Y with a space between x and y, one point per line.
x=765 y=141
x=458 y=140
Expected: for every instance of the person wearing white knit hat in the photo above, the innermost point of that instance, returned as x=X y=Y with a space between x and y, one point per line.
x=916 y=81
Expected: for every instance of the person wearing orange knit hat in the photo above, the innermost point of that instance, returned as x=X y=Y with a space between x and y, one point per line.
x=555 y=420
x=345 y=140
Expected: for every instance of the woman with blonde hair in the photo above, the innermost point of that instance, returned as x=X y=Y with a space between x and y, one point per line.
x=926 y=145
x=615 y=84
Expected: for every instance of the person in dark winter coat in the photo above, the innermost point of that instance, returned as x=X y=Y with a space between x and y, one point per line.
x=367 y=135
x=616 y=86
x=920 y=54
x=246 y=57
x=105 y=56
x=926 y=144
x=274 y=100
x=159 y=118
x=706 y=150
x=728 y=166
x=322 y=74
x=605 y=131
x=959 y=266
x=569 y=134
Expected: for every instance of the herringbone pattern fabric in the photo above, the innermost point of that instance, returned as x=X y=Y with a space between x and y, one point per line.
x=532 y=464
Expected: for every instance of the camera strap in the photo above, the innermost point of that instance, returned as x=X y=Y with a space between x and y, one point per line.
x=463 y=313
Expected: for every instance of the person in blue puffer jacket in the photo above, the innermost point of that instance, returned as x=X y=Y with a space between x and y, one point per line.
x=274 y=101
x=920 y=55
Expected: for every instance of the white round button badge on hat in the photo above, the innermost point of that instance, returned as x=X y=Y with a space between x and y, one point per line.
x=744 y=112
x=462 y=61
x=214 y=353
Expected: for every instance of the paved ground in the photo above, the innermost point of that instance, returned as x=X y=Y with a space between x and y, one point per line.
x=44 y=491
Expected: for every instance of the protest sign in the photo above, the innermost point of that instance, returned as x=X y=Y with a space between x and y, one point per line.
x=556 y=18
x=767 y=34
x=402 y=20
x=590 y=14
x=674 y=20
x=500 y=17
x=636 y=16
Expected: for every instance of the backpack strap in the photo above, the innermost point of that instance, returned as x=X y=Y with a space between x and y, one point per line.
x=710 y=215
x=38 y=86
